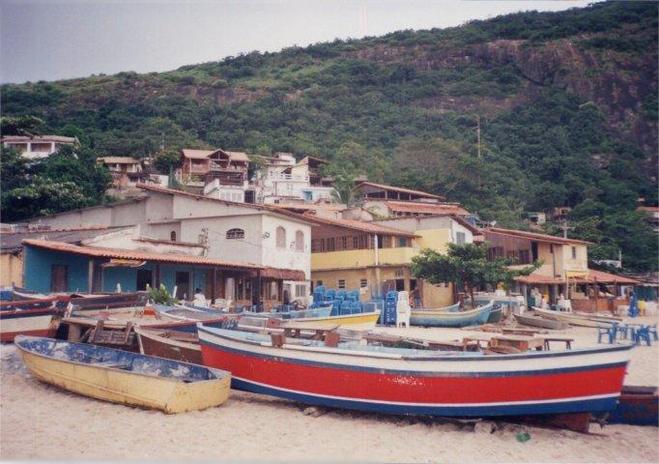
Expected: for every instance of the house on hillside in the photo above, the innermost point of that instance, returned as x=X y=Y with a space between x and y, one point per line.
x=284 y=180
x=126 y=171
x=366 y=191
x=276 y=240
x=219 y=173
x=394 y=208
x=375 y=257
x=564 y=269
x=37 y=146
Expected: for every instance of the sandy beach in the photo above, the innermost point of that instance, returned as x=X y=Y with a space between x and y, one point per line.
x=40 y=421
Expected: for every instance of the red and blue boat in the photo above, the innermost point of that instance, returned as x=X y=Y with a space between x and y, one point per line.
x=416 y=381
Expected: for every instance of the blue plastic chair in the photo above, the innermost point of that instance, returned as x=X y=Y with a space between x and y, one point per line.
x=653 y=331
x=643 y=334
x=608 y=332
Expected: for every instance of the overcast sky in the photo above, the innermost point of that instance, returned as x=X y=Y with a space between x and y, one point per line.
x=63 y=39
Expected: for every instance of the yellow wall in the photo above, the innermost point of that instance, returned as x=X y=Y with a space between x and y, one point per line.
x=433 y=295
x=11 y=270
x=358 y=258
x=436 y=239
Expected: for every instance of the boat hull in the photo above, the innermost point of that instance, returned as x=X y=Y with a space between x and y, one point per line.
x=572 y=319
x=429 y=318
x=152 y=343
x=117 y=386
x=541 y=322
x=37 y=322
x=359 y=321
x=459 y=386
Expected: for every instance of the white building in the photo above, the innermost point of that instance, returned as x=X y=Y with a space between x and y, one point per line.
x=37 y=146
x=249 y=234
x=283 y=180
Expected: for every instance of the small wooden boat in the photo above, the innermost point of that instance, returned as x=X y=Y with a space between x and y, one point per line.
x=532 y=320
x=170 y=344
x=113 y=300
x=495 y=314
x=123 y=377
x=38 y=321
x=59 y=301
x=454 y=308
x=571 y=318
x=431 y=318
x=637 y=406
x=408 y=381
x=363 y=321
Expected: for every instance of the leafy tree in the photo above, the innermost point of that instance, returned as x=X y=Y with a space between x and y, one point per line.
x=167 y=160
x=466 y=266
x=21 y=125
x=41 y=196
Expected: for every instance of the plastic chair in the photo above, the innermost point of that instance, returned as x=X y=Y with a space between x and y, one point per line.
x=643 y=334
x=608 y=332
x=653 y=331
x=403 y=309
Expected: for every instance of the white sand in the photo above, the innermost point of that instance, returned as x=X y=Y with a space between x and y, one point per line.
x=40 y=421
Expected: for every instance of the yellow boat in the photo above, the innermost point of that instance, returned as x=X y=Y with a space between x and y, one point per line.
x=124 y=377
x=363 y=321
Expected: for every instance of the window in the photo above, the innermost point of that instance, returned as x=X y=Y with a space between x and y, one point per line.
x=235 y=234
x=363 y=283
x=299 y=241
x=322 y=244
x=495 y=252
x=281 y=237
x=344 y=243
x=355 y=242
x=574 y=252
x=331 y=245
x=172 y=236
x=403 y=242
x=341 y=283
x=524 y=257
x=460 y=238
x=300 y=291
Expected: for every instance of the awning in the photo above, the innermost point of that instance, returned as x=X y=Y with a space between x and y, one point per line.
x=124 y=263
x=283 y=274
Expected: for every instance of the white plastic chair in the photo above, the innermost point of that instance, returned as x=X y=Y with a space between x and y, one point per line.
x=403 y=309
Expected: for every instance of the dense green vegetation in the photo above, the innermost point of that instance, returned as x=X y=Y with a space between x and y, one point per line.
x=566 y=103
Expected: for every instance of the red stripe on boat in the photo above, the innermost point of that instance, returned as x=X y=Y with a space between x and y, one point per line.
x=373 y=386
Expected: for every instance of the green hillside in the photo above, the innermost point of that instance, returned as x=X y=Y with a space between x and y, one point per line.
x=566 y=103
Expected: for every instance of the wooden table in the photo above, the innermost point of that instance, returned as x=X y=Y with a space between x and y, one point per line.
x=520 y=342
x=567 y=341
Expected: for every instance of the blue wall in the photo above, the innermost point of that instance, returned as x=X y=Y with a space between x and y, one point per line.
x=38 y=262
x=38 y=268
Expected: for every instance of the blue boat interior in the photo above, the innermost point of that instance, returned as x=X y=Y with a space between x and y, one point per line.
x=99 y=356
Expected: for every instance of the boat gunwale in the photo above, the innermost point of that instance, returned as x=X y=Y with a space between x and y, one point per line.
x=144 y=331
x=462 y=357
x=176 y=380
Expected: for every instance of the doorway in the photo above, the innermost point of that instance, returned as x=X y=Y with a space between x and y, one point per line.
x=144 y=278
x=182 y=285
x=58 y=278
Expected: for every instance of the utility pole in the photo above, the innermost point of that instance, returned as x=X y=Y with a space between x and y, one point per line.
x=565 y=228
x=478 y=135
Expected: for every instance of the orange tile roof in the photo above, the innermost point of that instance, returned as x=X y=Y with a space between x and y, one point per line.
x=535 y=236
x=99 y=252
x=399 y=189
x=426 y=208
x=268 y=208
x=368 y=227
x=196 y=154
x=592 y=277
x=460 y=220
x=649 y=209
